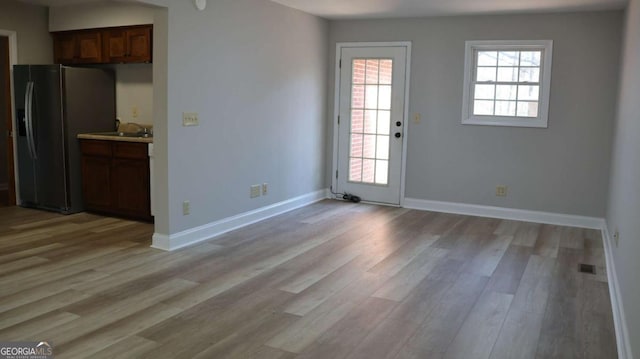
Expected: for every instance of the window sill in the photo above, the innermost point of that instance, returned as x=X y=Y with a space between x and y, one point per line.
x=505 y=121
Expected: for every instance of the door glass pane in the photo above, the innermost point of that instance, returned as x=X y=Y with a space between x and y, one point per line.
x=385 y=72
x=356 y=145
x=370 y=121
x=371 y=97
x=358 y=72
x=382 y=171
x=355 y=169
x=357 y=96
x=370 y=130
x=372 y=71
x=368 y=170
x=357 y=120
x=384 y=102
x=369 y=148
x=384 y=122
x=382 y=147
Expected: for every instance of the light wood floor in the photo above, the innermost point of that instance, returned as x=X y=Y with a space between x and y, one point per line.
x=331 y=280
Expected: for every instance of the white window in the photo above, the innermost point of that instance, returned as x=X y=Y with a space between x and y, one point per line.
x=506 y=83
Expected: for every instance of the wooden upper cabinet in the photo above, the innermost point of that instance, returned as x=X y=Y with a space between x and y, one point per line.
x=77 y=47
x=65 y=48
x=129 y=44
x=89 y=48
x=126 y=44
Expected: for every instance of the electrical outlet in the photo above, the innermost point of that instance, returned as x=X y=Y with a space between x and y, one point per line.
x=501 y=190
x=190 y=119
x=265 y=188
x=254 y=191
x=186 y=208
x=134 y=112
x=616 y=237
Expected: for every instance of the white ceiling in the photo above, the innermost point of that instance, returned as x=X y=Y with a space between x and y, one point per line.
x=349 y=9
x=355 y=9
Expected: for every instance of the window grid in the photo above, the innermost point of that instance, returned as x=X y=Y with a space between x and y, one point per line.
x=517 y=84
x=366 y=164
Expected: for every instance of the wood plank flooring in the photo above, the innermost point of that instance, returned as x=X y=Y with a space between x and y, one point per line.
x=331 y=280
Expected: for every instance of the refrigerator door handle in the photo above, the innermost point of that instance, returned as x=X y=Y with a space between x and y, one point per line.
x=29 y=116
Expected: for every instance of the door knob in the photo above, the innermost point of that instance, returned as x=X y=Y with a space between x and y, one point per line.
x=398 y=135
x=398 y=123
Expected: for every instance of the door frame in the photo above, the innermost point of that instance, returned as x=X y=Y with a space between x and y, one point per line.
x=13 y=60
x=336 y=107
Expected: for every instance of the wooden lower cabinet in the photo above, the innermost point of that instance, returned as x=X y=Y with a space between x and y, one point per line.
x=115 y=178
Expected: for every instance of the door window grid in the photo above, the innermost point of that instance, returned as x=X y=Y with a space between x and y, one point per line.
x=370 y=121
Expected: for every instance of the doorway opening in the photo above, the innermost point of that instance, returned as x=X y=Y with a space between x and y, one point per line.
x=7 y=178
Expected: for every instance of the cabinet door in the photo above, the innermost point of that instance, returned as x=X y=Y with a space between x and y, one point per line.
x=130 y=178
x=89 y=47
x=96 y=184
x=64 y=48
x=139 y=44
x=116 y=45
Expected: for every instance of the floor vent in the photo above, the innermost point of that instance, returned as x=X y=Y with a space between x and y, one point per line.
x=587 y=268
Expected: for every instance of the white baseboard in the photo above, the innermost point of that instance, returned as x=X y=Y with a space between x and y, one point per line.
x=622 y=333
x=505 y=213
x=213 y=229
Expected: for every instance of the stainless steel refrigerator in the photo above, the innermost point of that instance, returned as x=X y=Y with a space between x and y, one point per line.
x=53 y=104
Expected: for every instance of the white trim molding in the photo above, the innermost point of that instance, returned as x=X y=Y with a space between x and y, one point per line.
x=471 y=51
x=619 y=322
x=214 y=229
x=13 y=60
x=505 y=213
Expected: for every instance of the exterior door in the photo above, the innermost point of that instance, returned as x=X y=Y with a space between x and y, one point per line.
x=371 y=122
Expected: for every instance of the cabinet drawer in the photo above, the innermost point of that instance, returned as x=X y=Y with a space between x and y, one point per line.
x=95 y=148
x=130 y=150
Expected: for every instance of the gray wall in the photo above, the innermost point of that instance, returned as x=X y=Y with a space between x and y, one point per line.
x=30 y=22
x=256 y=72
x=562 y=169
x=624 y=192
x=100 y=14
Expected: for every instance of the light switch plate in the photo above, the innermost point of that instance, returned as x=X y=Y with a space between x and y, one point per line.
x=190 y=119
